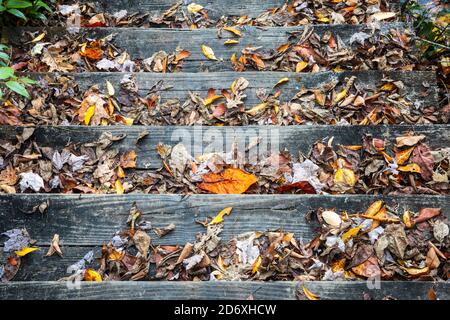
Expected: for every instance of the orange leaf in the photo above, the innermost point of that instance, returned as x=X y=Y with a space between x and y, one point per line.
x=310 y=295
x=92 y=53
x=230 y=181
x=403 y=155
x=91 y=275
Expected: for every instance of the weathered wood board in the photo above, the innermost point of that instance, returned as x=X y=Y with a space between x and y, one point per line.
x=215 y=8
x=199 y=140
x=419 y=87
x=171 y=290
x=143 y=43
x=89 y=220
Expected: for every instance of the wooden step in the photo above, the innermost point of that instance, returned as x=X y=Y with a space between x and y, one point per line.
x=420 y=87
x=293 y=138
x=143 y=43
x=85 y=222
x=169 y=290
x=215 y=8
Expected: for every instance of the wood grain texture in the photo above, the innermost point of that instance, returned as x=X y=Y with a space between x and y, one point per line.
x=201 y=140
x=215 y=8
x=143 y=43
x=90 y=220
x=180 y=84
x=327 y=290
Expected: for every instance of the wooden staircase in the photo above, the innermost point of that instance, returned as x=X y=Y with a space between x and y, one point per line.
x=85 y=222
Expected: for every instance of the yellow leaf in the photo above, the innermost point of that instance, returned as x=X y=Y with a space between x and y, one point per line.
x=350 y=233
x=407 y=220
x=256 y=265
x=310 y=295
x=219 y=218
x=233 y=30
x=120 y=172
x=194 y=8
x=91 y=275
x=341 y=95
x=110 y=88
x=403 y=156
x=374 y=208
x=345 y=176
x=89 y=114
x=25 y=251
x=208 y=52
x=256 y=109
x=410 y=168
x=281 y=81
x=231 y=41
x=39 y=37
x=300 y=66
x=119 y=187
x=210 y=100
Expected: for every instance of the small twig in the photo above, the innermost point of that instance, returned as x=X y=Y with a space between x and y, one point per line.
x=433 y=43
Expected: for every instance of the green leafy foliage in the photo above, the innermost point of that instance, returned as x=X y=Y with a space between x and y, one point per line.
x=430 y=21
x=12 y=11
x=8 y=79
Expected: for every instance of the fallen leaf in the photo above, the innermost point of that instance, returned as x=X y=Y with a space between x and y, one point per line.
x=383 y=15
x=304 y=186
x=426 y=214
x=309 y=294
x=368 y=268
x=54 y=247
x=142 y=242
x=230 y=41
x=331 y=218
x=410 y=168
x=161 y=232
x=230 y=181
x=23 y=252
x=403 y=156
x=409 y=141
x=208 y=52
x=233 y=30
x=350 y=233
x=256 y=265
x=194 y=7
x=91 y=275
x=219 y=218
x=423 y=157
x=281 y=81
x=301 y=66
x=110 y=88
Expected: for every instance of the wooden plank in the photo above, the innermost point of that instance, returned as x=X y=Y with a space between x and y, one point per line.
x=143 y=43
x=87 y=220
x=181 y=84
x=37 y=267
x=198 y=139
x=327 y=290
x=215 y=8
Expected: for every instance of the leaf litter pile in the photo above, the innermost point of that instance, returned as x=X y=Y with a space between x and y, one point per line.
x=406 y=165
x=380 y=242
x=188 y=14
x=60 y=101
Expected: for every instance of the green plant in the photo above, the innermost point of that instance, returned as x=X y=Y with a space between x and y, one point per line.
x=430 y=21
x=23 y=9
x=8 y=78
